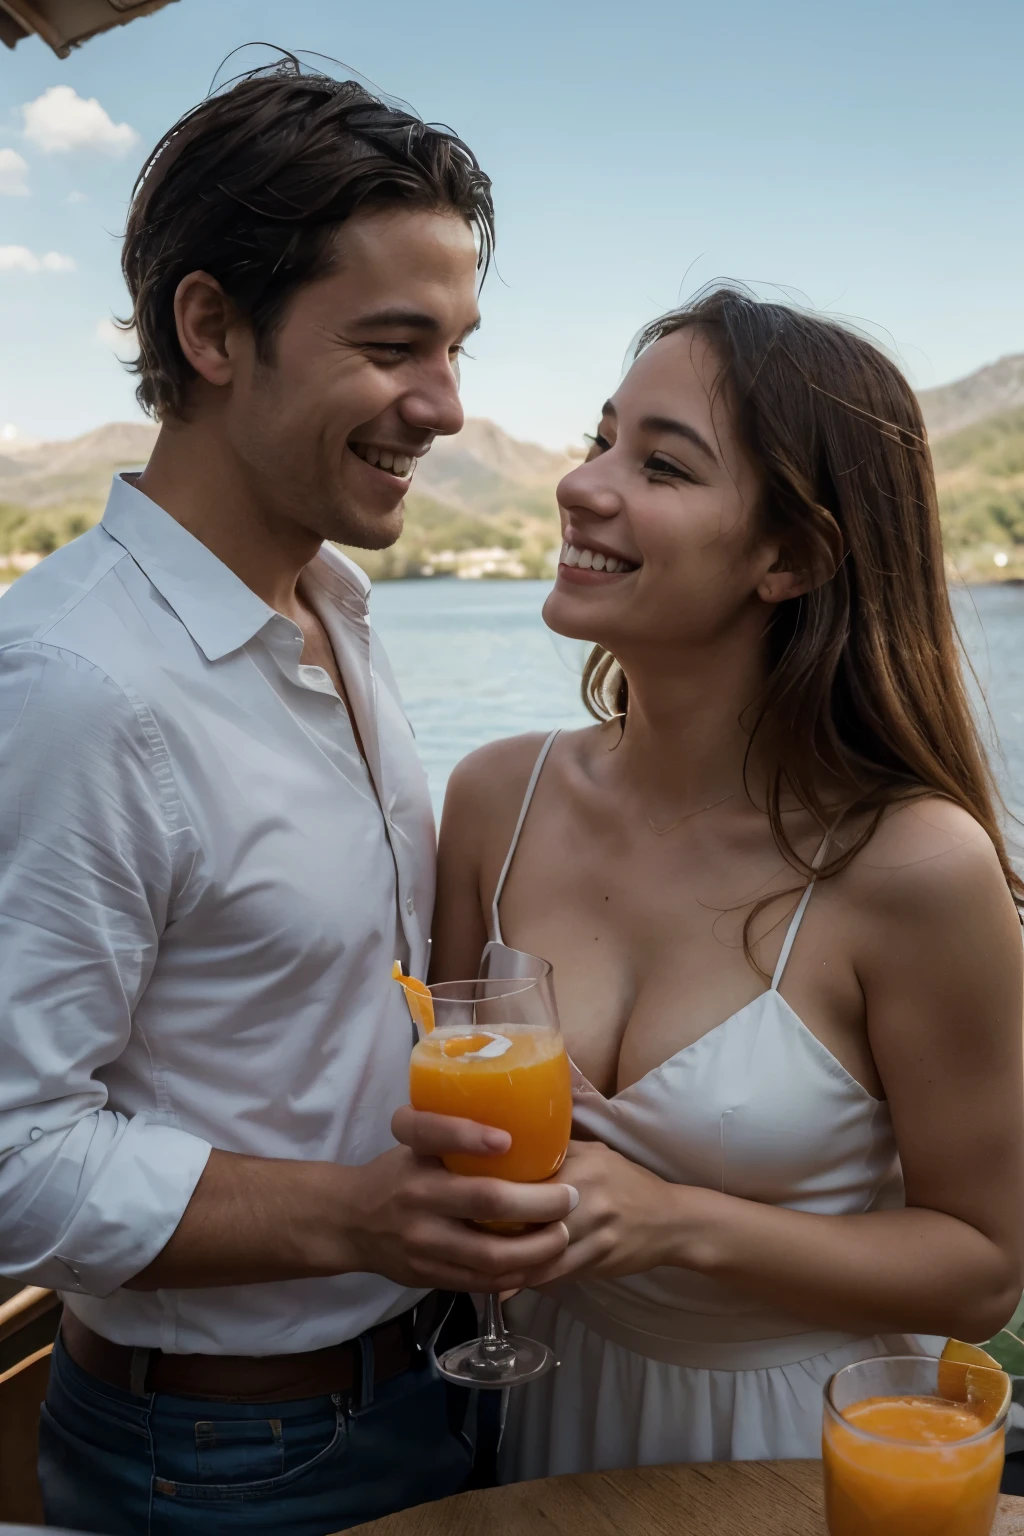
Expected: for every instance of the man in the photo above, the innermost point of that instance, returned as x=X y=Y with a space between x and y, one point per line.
x=215 y=839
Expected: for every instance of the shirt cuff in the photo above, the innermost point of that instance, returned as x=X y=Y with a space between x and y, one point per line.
x=134 y=1202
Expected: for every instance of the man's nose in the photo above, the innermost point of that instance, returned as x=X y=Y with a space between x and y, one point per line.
x=434 y=405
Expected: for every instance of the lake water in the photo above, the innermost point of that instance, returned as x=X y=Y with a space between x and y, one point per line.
x=474 y=662
x=991 y=621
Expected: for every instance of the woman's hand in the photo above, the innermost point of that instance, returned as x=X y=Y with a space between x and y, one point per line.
x=627 y=1220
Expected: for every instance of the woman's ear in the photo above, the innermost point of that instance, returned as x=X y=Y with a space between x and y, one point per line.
x=779 y=583
x=788 y=577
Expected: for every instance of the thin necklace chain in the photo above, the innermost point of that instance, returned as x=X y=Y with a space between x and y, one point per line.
x=664 y=831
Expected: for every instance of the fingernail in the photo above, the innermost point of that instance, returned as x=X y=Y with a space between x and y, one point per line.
x=574 y=1196
x=497 y=1141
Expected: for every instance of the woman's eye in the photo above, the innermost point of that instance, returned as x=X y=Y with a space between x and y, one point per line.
x=598 y=444
x=663 y=468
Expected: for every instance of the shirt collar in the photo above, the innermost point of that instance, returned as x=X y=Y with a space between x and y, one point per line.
x=345 y=580
x=216 y=607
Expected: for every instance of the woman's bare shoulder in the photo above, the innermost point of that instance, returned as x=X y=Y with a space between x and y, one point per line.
x=930 y=862
x=496 y=775
x=502 y=762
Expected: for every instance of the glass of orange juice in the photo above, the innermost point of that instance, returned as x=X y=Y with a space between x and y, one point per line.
x=913 y=1446
x=491 y=1050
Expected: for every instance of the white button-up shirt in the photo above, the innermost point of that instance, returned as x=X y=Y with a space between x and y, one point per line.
x=203 y=887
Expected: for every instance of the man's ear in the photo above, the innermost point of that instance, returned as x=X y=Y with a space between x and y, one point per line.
x=205 y=316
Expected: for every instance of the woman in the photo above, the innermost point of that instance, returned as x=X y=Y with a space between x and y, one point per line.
x=782 y=820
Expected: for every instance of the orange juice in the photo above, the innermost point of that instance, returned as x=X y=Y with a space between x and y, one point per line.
x=508 y=1075
x=931 y=1469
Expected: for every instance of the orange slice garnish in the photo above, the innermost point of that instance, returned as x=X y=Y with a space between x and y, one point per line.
x=417 y=997
x=464 y=1045
x=969 y=1374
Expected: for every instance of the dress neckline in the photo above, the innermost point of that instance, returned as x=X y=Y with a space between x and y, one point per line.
x=716 y=1029
x=831 y=1061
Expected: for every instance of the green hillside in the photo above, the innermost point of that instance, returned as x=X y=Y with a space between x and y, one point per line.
x=39 y=531
x=434 y=528
x=431 y=528
x=980 y=474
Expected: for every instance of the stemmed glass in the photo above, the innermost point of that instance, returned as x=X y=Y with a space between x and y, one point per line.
x=491 y=1050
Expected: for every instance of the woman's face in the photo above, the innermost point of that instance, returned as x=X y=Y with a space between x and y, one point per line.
x=669 y=498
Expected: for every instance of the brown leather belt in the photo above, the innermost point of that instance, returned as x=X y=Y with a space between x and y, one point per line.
x=393 y=1348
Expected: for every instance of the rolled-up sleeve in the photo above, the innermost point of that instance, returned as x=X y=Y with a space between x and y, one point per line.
x=93 y=846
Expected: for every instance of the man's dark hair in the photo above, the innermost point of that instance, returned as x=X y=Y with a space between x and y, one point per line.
x=251 y=186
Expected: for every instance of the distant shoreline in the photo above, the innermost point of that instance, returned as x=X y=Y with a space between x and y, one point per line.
x=955 y=581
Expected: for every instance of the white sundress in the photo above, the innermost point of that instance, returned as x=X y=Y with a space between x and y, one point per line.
x=671 y=1365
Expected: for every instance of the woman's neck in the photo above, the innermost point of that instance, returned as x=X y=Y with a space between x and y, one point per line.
x=686 y=738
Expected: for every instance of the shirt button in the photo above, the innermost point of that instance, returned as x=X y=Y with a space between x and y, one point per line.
x=35 y=1133
x=410 y=905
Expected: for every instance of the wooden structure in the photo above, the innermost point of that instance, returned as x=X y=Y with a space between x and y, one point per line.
x=738 y=1498
x=63 y=24
x=28 y=1326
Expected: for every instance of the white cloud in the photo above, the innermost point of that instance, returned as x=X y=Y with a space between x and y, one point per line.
x=78 y=197
x=111 y=335
x=60 y=120
x=18 y=258
x=13 y=174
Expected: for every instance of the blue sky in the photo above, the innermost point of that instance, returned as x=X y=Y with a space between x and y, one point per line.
x=867 y=157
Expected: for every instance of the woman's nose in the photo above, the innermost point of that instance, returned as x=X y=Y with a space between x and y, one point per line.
x=588 y=488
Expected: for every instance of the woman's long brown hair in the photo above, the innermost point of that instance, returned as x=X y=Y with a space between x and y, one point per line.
x=866 y=689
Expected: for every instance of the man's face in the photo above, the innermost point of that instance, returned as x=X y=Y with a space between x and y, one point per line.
x=363 y=376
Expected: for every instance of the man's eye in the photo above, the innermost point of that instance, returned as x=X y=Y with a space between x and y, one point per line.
x=390 y=351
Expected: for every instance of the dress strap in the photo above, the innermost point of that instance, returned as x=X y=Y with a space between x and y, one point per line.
x=798 y=915
x=527 y=798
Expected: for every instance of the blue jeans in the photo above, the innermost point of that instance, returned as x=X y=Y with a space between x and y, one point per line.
x=158 y=1465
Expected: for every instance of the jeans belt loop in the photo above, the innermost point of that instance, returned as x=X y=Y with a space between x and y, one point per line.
x=138 y=1371
x=366 y=1372
x=429 y=1317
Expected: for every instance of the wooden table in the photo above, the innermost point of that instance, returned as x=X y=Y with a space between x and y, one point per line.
x=739 y=1498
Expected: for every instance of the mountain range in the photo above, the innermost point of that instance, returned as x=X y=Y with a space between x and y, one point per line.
x=989 y=391
x=486 y=489
x=476 y=469
x=480 y=489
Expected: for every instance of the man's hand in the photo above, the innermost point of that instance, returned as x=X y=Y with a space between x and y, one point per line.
x=403 y=1215
x=408 y=1216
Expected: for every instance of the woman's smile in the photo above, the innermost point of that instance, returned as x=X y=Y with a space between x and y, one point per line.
x=589 y=564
